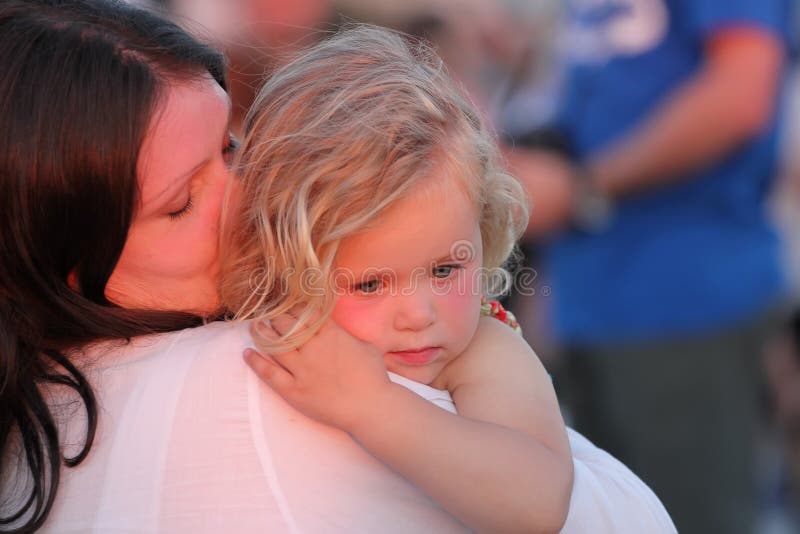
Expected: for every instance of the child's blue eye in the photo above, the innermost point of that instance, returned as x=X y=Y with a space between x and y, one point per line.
x=368 y=287
x=444 y=271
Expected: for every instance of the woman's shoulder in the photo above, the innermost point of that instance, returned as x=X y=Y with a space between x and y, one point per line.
x=229 y=333
x=197 y=342
x=174 y=421
x=186 y=428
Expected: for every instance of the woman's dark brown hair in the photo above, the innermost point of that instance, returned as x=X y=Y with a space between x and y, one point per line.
x=80 y=82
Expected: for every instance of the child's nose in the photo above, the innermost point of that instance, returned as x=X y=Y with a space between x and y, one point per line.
x=415 y=311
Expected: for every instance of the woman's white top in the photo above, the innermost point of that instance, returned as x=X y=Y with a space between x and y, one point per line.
x=189 y=440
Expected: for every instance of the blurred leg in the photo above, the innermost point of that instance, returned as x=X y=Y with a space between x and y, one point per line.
x=683 y=415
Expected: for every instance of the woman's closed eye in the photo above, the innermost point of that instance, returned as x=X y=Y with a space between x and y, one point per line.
x=230 y=149
x=231 y=146
x=175 y=215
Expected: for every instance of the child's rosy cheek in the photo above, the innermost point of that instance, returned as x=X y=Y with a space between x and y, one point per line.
x=466 y=292
x=456 y=293
x=357 y=317
x=461 y=300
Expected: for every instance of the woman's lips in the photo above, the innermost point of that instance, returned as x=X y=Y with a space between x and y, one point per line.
x=422 y=356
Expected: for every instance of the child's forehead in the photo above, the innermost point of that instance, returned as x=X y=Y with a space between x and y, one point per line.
x=423 y=227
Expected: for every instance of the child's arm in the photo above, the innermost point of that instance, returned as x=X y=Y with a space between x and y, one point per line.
x=500 y=380
x=513 y=474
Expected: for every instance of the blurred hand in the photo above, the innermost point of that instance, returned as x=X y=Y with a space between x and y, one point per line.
x=334 y=378
x=549 y=180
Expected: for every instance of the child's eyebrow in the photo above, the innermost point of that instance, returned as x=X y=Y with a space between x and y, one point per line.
x=447 y=258
x=371 y=273
x=461 y=252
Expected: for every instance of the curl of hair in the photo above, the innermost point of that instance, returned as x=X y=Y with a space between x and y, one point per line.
x=81 y=81
x=334 y=138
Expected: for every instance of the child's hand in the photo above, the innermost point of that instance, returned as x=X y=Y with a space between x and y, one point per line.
x=334 y=378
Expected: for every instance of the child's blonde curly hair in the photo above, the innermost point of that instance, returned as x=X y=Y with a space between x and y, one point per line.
x=335 y=138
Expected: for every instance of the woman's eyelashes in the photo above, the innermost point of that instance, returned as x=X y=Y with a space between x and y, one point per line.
x=231 y=147
x=175 y=215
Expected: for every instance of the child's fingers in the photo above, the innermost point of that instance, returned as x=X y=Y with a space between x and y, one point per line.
x=273 y=330
x=290 y=361
x=283 y=323
x=299 y=309
x=262 y=328
x=268 y=370
x=265 y=330
x=329 y=326
x=288 y=320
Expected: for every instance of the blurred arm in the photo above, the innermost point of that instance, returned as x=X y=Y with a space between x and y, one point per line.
x=728 y=101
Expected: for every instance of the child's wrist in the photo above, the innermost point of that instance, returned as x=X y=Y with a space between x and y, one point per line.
x=392 y=399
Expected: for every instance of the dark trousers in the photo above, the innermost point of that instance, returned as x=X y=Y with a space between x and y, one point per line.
x=682 y=414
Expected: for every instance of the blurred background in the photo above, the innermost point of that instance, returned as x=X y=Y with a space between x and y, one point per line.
x=659 y=141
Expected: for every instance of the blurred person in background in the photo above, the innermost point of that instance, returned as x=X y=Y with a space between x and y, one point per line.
x=665 y=267
x=257 y=36
x=486 y=44
x=783 y=358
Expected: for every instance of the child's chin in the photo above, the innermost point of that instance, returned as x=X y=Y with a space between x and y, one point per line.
x=422 y=375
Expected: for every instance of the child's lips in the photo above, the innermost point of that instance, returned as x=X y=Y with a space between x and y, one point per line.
x=422 y=356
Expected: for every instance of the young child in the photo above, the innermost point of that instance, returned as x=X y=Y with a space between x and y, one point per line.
x=373 y=220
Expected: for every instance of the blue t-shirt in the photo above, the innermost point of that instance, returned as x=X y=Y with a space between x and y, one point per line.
x=691 y=256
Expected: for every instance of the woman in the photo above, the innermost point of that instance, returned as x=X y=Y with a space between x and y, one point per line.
x=113 y=164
